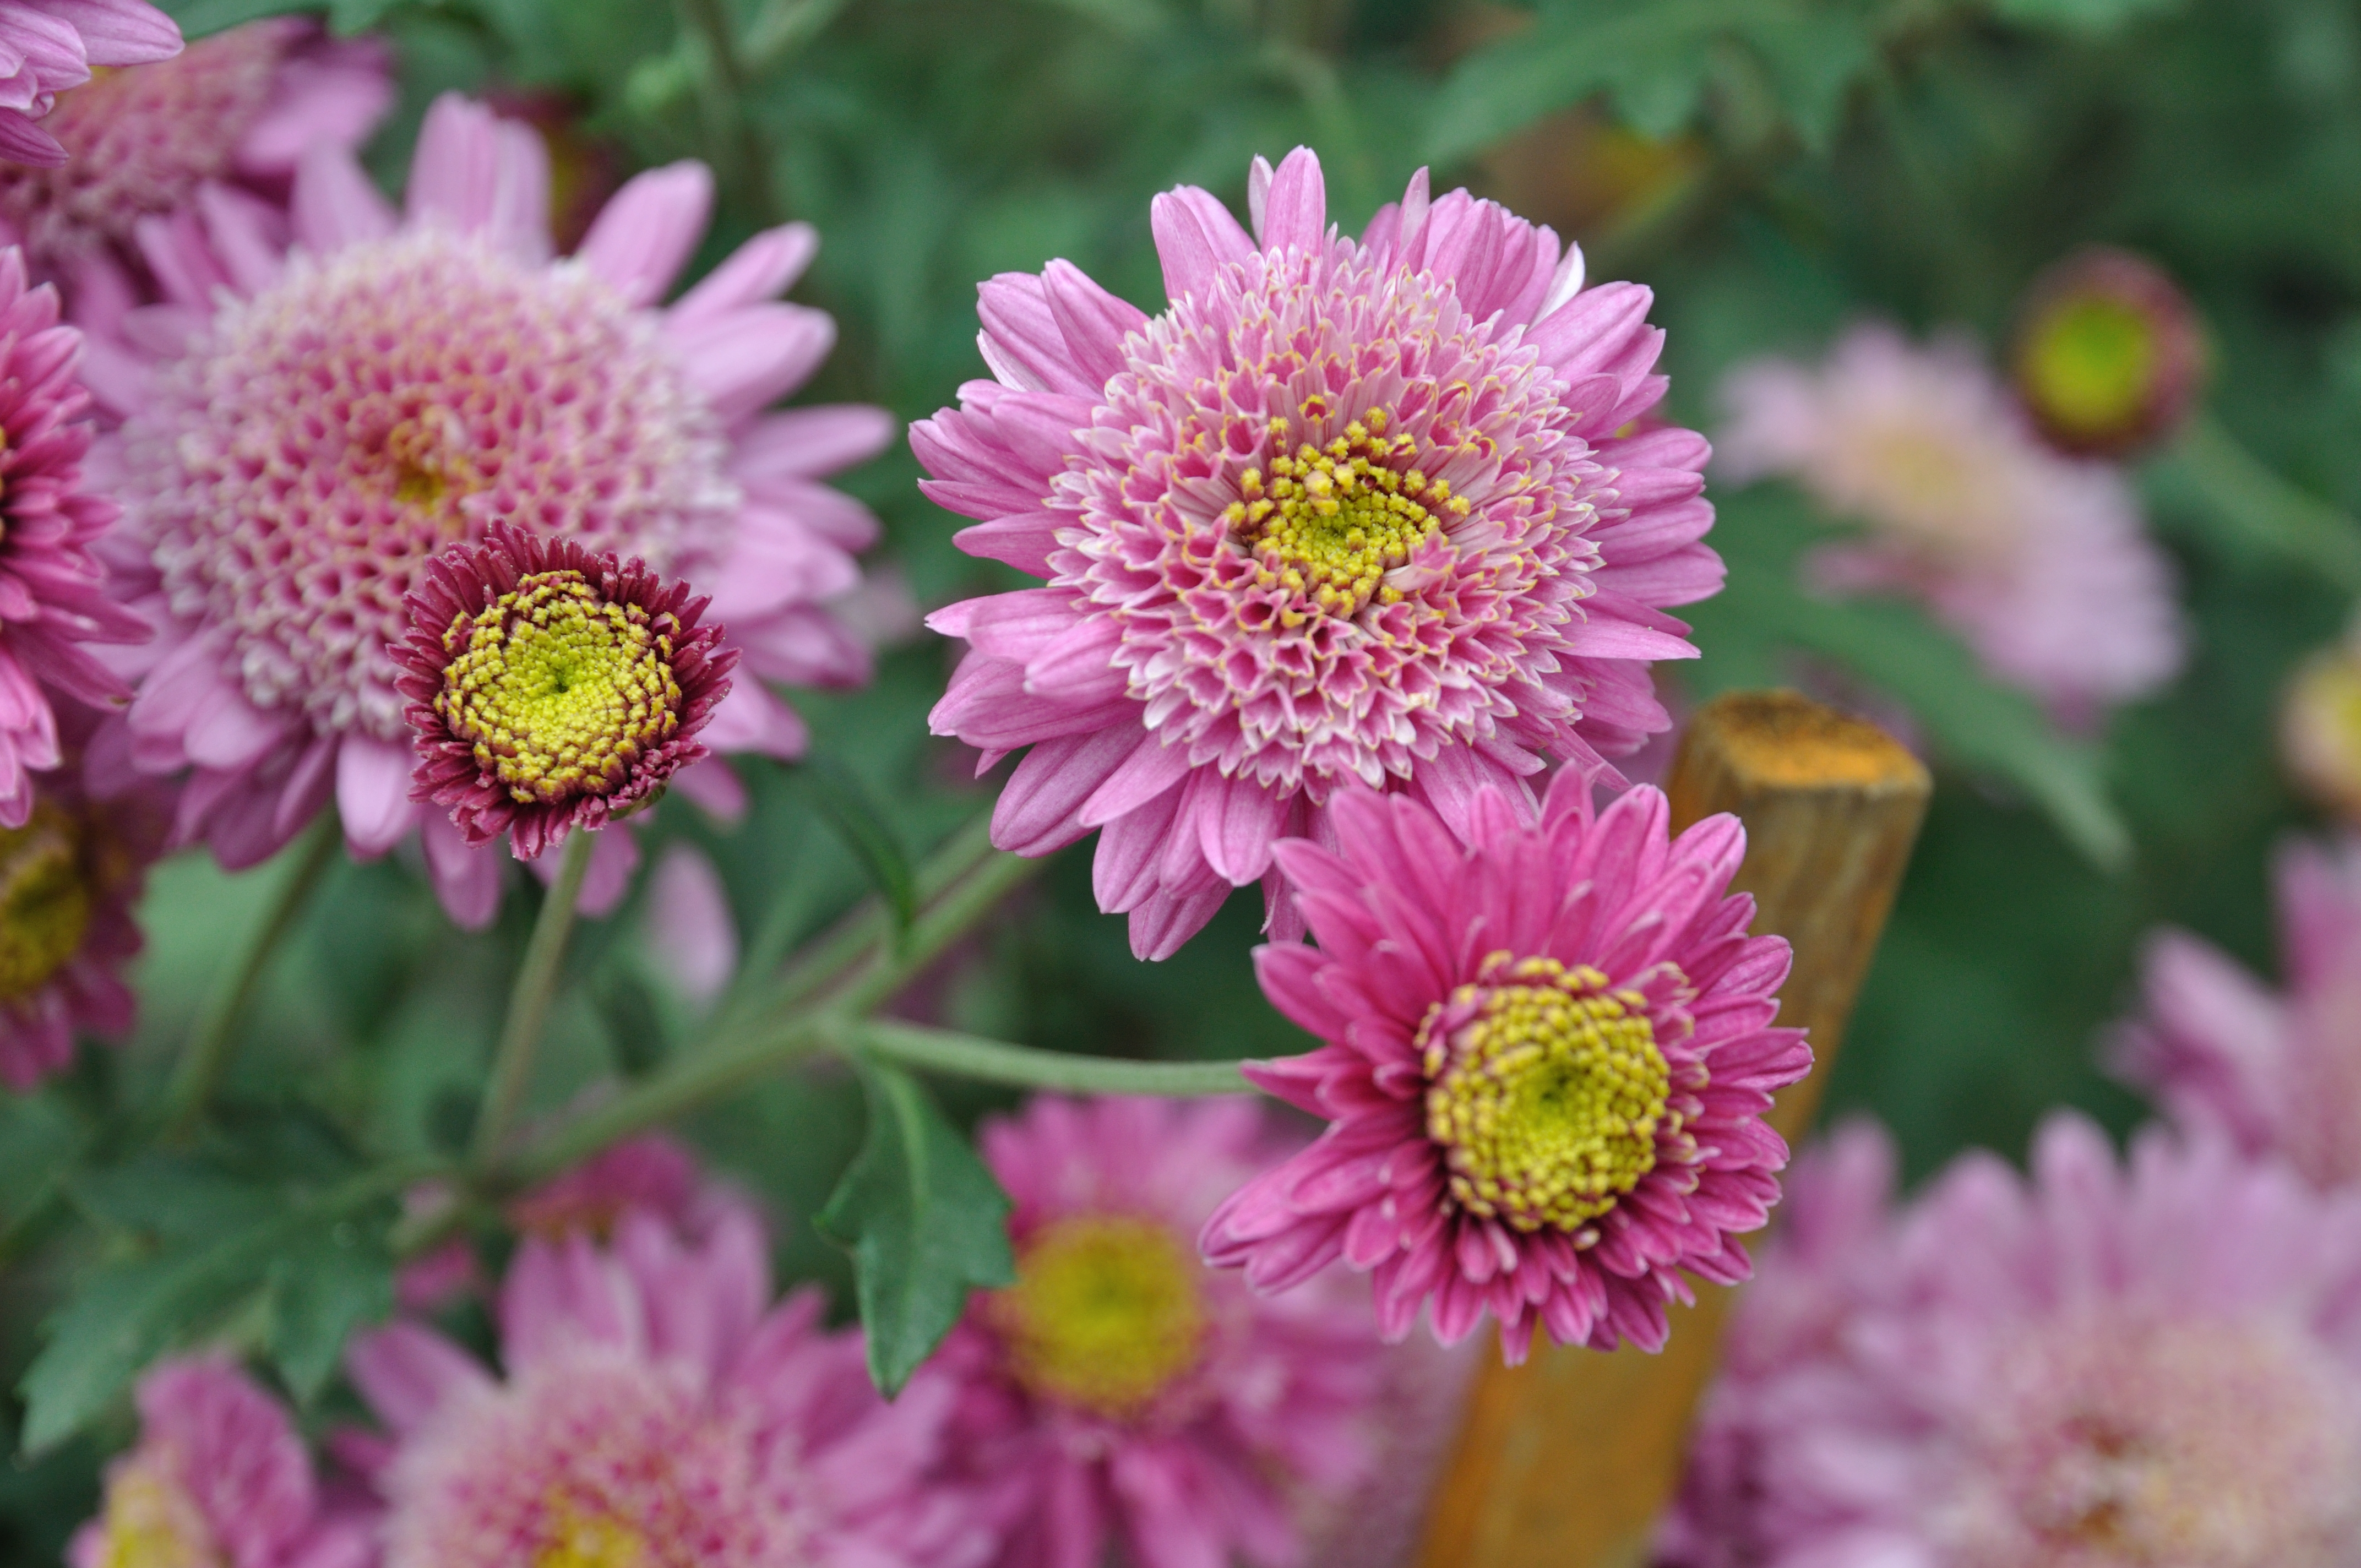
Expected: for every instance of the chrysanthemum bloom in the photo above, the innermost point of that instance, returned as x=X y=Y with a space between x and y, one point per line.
x=1122 y=1395
x=322 y=421
x=2040 y=562
x=2108 y=355
x=1416 y=1413
x=71 y=877
x=2319 y=727
x=240 y=107
x=1348 y=510
x=655 y=1410
x=218 y=1479
x=47 y=46
x=551 y=688
x=1547 y=1053
x=2053 y=1373
x=2278 y=1072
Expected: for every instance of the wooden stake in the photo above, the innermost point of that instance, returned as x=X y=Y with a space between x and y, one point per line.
x=1567 y=1461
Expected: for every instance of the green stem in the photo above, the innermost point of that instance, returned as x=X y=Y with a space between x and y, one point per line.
x=2264 y=511
x=726 y=105
x=212 y=1040
x=1025 y=1067
x=536 y=983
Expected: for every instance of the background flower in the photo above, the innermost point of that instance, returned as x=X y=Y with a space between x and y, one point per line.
x=47 y=46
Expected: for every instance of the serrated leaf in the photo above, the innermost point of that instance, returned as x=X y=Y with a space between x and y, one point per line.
x=925 y=1223
x=200 y=17
x=845 y=801
x=174 y=1199
x=37 y=1140
x=328 y=1282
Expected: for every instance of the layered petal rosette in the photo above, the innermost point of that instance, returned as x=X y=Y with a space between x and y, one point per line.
x=1348 y=510
x=49 y=45
x=315 y=423
x=2113 y=1364
x=1548 y=1052
x=218 y=1479
x=1124 y=1396
x=654 y=1407
x=2279 y=1073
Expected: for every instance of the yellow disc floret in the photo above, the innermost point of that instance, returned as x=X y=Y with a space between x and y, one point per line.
x=1329 y=522
x=1104 y=1315
x=580 y=1540
x=150 y=1522
x=45 y=901
x=559 y=690
x=1548 y=1099
x=2089 y=365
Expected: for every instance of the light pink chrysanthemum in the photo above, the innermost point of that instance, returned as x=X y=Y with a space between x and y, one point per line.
x=2279 y=1073
x=1547 y=1055
x=655 y=1408
x=1347 y=511
x=691 y=933
x=1122 y=1395
x=240 y=106
x=52 y=598
x=218 y=1479
x=49 y=45
x=2108 y=1365
x=327 y=417
x=2039 y=562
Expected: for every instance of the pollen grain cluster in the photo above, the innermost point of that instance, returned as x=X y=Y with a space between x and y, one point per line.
x=1106 y=1313
x=45 y=901
x=1329 y=522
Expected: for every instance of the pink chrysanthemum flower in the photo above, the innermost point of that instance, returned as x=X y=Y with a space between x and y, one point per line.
x=47 y=46
x=1121 y=1395
x=2041 y=563
x=325 y=420
x=1348 y=510
x=2278 y=1073
x=2104 y=1367
x=655 y=1410
x=240 y=106
x=52 y=600
x=218 y=1479
x=1547 y=1055
x=551 y=688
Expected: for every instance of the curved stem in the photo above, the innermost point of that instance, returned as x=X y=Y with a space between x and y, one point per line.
x=536 y=983
x=1025 y=1067
x=2261 y=510
x=213 y=1038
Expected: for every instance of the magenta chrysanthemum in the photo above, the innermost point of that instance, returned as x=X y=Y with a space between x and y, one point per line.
x=241 y=105
x=655 y=1410
x=1348 y=510
x=336 y=414
x=2106 y=1367
x=47 y=46
x=1124 y=1396
x=551 y=688
x=1548 y=1053
x=52 y=602
x=218 y=1479
x=2278 y=1073
x=2040 y=562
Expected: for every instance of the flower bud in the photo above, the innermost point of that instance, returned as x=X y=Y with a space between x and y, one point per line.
x=2109 y=356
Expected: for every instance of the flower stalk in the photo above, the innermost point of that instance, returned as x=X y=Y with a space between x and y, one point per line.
x=536 y=984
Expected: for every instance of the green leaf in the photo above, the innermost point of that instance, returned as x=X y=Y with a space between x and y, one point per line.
x=200 y=17
x=841 y=798
x=1653 y=58
x=924 y=1222
x=170 y=1198
x=2096 y=17
x=332 y=1280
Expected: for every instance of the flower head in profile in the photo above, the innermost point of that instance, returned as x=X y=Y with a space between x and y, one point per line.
x=1121 y=1395
x=1547 y=1052
x=412 y=378
x=2276 y=1072
x=2040 y=1373
x=239 y=107
x=2039 y=561
x=49 y=45
x=654 y=1407
x=1346 y=512
x=2109 y=356
x=218 y=1479
x=551 y=688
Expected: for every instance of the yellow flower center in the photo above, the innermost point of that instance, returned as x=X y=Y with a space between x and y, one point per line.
x=1330 y=523
x=1105 y=1314
x=559 y=690
x=1547 y=1102
x=578 y=1540
x=45 y=901
x=2089 y=365
x=150 y=1522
